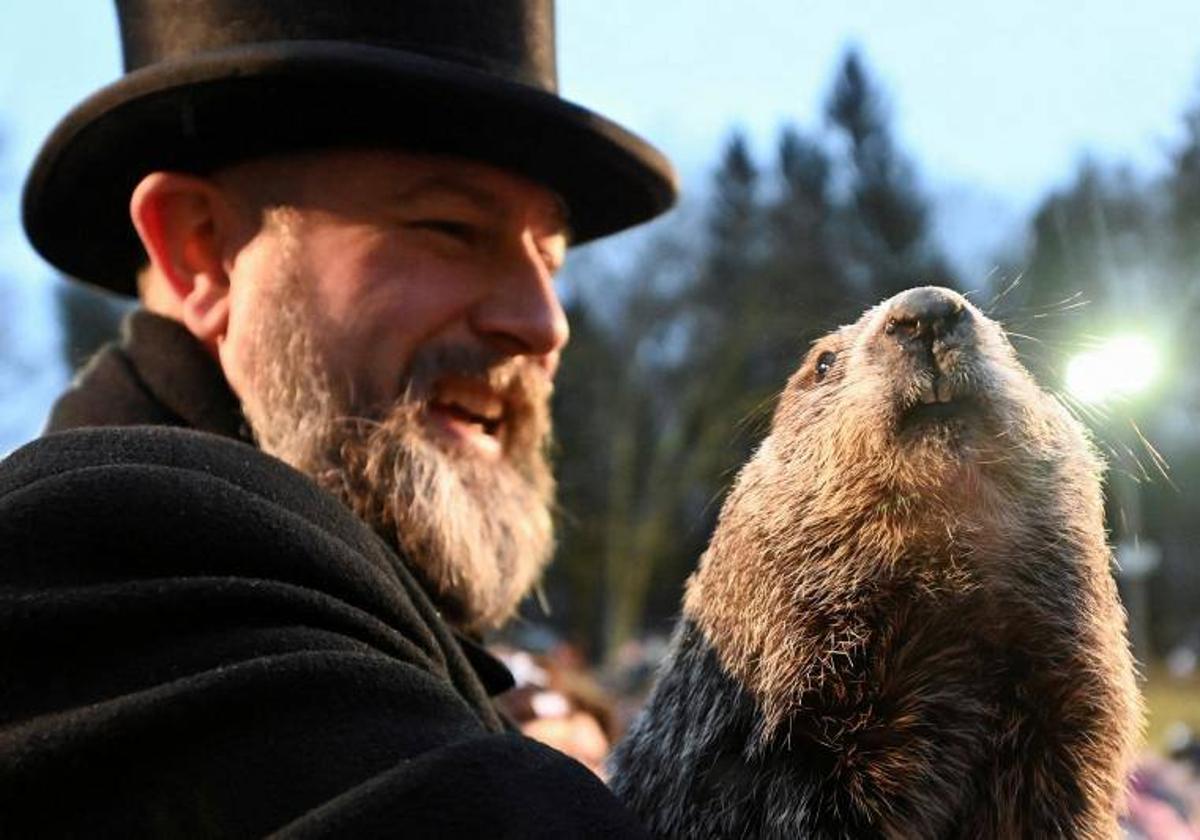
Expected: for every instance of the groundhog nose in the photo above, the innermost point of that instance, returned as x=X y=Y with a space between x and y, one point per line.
x=926 y=313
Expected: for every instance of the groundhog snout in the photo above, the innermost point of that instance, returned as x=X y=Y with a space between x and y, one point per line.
x=919 y=317
x=928 y=337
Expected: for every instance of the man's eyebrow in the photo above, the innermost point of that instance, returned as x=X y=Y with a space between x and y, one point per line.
x=433 y=184
x=482 y=198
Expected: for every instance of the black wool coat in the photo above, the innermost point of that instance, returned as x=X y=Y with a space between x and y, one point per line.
x=195 y=640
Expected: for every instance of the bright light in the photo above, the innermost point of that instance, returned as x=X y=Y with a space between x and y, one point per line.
x=1120 y=367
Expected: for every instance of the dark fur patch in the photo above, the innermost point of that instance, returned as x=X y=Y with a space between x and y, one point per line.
x=691 y=767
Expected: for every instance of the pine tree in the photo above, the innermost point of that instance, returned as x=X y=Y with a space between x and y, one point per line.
x=809 y=292
x=1183 y=189
x=885 y=232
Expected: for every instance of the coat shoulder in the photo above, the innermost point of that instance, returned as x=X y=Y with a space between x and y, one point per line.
x=191 y=630
x=205 y=480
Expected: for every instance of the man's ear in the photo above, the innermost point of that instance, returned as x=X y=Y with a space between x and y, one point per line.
x=186 y=223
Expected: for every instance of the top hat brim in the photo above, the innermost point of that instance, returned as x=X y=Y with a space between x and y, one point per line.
x=199 y=113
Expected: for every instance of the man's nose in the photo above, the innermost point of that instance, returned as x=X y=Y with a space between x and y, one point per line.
x=521 y=315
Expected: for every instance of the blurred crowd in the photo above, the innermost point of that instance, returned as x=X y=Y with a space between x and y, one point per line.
x=1164 y=793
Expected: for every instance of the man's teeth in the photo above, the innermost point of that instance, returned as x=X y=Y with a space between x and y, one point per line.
x=477 y=408
x=485 y=407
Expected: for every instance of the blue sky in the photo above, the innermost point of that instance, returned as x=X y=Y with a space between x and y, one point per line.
x=1000 y=98
x=995 y=102
x=1002 y=95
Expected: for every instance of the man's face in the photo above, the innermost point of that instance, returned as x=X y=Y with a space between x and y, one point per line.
x=393 y=331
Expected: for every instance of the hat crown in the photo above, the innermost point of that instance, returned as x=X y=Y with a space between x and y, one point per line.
x=213 y=82
x=513 y=39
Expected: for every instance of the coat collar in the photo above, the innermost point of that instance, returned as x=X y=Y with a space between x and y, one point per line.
x=184 y=377
x=157 y=374
x=493 y=673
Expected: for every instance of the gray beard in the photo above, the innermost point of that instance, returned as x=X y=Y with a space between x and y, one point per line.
x=478 y=534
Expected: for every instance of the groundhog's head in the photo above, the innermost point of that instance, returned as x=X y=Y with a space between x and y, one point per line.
x=922 y=405
x=910 y=451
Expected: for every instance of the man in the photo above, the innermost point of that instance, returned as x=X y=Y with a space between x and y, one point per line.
x=344 y=221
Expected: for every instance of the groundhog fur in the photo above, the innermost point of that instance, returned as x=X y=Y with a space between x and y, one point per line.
x=905 y=624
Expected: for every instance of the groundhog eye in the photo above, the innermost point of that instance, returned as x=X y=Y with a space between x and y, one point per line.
x=825 y=363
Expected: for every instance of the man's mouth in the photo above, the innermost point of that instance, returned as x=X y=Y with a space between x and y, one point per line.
x=467 y=412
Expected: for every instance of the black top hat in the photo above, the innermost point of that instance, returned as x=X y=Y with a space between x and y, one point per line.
x=209 y=82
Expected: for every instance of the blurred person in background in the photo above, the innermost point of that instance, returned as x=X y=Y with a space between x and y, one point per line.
x=558 y=702
x=245 y=575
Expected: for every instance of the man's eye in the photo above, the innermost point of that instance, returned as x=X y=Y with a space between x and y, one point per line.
x=458 y=230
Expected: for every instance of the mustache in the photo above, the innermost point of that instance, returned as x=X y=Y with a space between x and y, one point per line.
x=430 y=362
x=518 y=380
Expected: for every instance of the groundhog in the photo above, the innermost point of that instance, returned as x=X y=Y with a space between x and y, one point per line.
x=905 y=624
